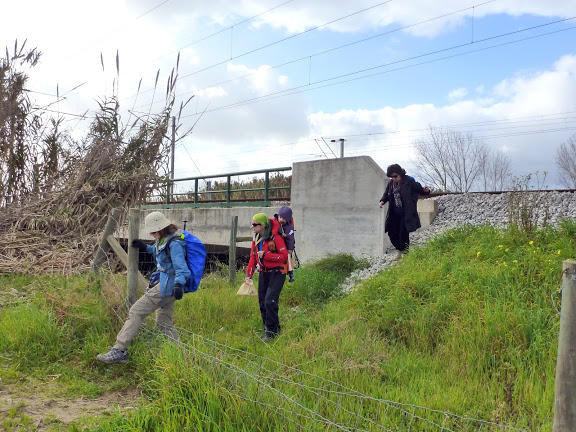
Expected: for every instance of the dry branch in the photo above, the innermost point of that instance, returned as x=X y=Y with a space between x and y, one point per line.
x=58 y=231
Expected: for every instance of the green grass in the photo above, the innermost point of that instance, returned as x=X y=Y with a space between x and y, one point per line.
x=464 y=325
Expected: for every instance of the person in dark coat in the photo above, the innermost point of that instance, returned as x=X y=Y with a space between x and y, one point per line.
x=401 y=194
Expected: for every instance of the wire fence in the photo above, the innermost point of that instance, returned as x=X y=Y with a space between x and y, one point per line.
x=303 y=400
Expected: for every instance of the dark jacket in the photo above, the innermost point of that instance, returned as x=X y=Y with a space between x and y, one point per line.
x=410 y=189
x=287 y=230
x=275 y=253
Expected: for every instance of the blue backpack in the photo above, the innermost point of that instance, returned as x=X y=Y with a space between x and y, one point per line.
x=195 y=258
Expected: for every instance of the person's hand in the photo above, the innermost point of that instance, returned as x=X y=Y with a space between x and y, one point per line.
x=426 y=189
x=260 y=254
x=381 y=204
x=139 y=244
x=248 y=281
x=178 y=291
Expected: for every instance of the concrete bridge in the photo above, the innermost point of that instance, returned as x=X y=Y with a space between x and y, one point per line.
x=335 y=205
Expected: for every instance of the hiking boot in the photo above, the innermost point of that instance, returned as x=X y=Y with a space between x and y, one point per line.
x=113 y=356
x=291 y=277
x=269 y=336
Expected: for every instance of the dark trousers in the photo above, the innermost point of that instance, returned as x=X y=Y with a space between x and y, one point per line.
x=397 y=232
x=270 y=284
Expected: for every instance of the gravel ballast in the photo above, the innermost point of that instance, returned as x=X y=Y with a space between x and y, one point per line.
x=474 y=209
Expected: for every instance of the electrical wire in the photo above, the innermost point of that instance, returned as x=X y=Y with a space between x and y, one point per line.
x=375 y=145
x=307 y=87
x=346 y=45
x=152 y=9
x=276 y=42
x=236 y=24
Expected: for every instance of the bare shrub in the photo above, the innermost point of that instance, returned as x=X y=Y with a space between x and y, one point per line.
x=566 y=162
x=527 y=208
x=449 y=160
x=495 y=171
x=70 y=194
x=19 y=124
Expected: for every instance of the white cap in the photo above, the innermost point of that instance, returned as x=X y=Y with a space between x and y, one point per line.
x=155 y=221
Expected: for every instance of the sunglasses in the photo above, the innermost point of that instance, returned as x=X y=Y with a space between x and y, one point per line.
x=256 y=224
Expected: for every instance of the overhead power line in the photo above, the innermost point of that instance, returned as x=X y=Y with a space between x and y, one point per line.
x=152 y=9
x=544 y=126
x=308 y=87
x=235 y=25
x=528 y=119
x=338 y=47
x=276 y=42
x=367 y=149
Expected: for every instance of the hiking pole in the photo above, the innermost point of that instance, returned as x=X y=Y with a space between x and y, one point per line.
x=296 y=261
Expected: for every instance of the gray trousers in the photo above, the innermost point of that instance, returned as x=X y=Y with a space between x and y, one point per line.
x=148 y=303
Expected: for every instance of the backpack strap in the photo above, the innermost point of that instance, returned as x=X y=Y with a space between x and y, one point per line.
x=167 y=247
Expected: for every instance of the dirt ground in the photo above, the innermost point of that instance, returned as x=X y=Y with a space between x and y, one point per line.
x=44 y=411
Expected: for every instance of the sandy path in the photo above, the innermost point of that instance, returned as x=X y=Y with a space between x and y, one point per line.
x=44 y=410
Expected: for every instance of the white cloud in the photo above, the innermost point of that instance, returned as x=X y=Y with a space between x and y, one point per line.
x=211 y=92
x=263 y=79
x=299 y=16
x=243 y=141
x=255 y=136
x=458 y=93
x=73 y=34
x=535 y=100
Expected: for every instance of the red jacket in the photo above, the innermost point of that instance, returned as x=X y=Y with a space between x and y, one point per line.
x=275 y=252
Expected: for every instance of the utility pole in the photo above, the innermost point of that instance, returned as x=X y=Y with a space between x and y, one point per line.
x=172 y=149
x=564 y=397
x=341 y=146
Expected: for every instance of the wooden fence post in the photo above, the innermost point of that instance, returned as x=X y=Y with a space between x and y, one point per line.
x=232 y=250
x=133 y=253
x=565 y=385
x=123 y=257
x=103 y=248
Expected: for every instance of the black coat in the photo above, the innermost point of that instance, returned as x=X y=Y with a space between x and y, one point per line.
x=410 y=189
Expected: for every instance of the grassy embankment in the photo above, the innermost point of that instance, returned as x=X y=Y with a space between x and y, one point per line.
x=464 y=325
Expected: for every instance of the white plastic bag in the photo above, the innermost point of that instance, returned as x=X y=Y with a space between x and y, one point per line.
x=247 y=289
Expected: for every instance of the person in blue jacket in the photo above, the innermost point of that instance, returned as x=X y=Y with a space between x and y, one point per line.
x=173 y=275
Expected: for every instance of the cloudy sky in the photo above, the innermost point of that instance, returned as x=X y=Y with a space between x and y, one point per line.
x=278 y=80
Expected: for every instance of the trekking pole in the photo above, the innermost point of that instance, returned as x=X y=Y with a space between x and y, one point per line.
x=296 y=260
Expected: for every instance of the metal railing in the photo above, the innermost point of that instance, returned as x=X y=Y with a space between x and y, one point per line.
x=226 y=194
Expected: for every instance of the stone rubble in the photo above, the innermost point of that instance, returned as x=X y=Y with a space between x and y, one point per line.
x=476 y=209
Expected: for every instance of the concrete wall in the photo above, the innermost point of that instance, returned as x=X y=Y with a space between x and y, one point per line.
x=427 y=211
x=211 y=225
x=335 y=203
